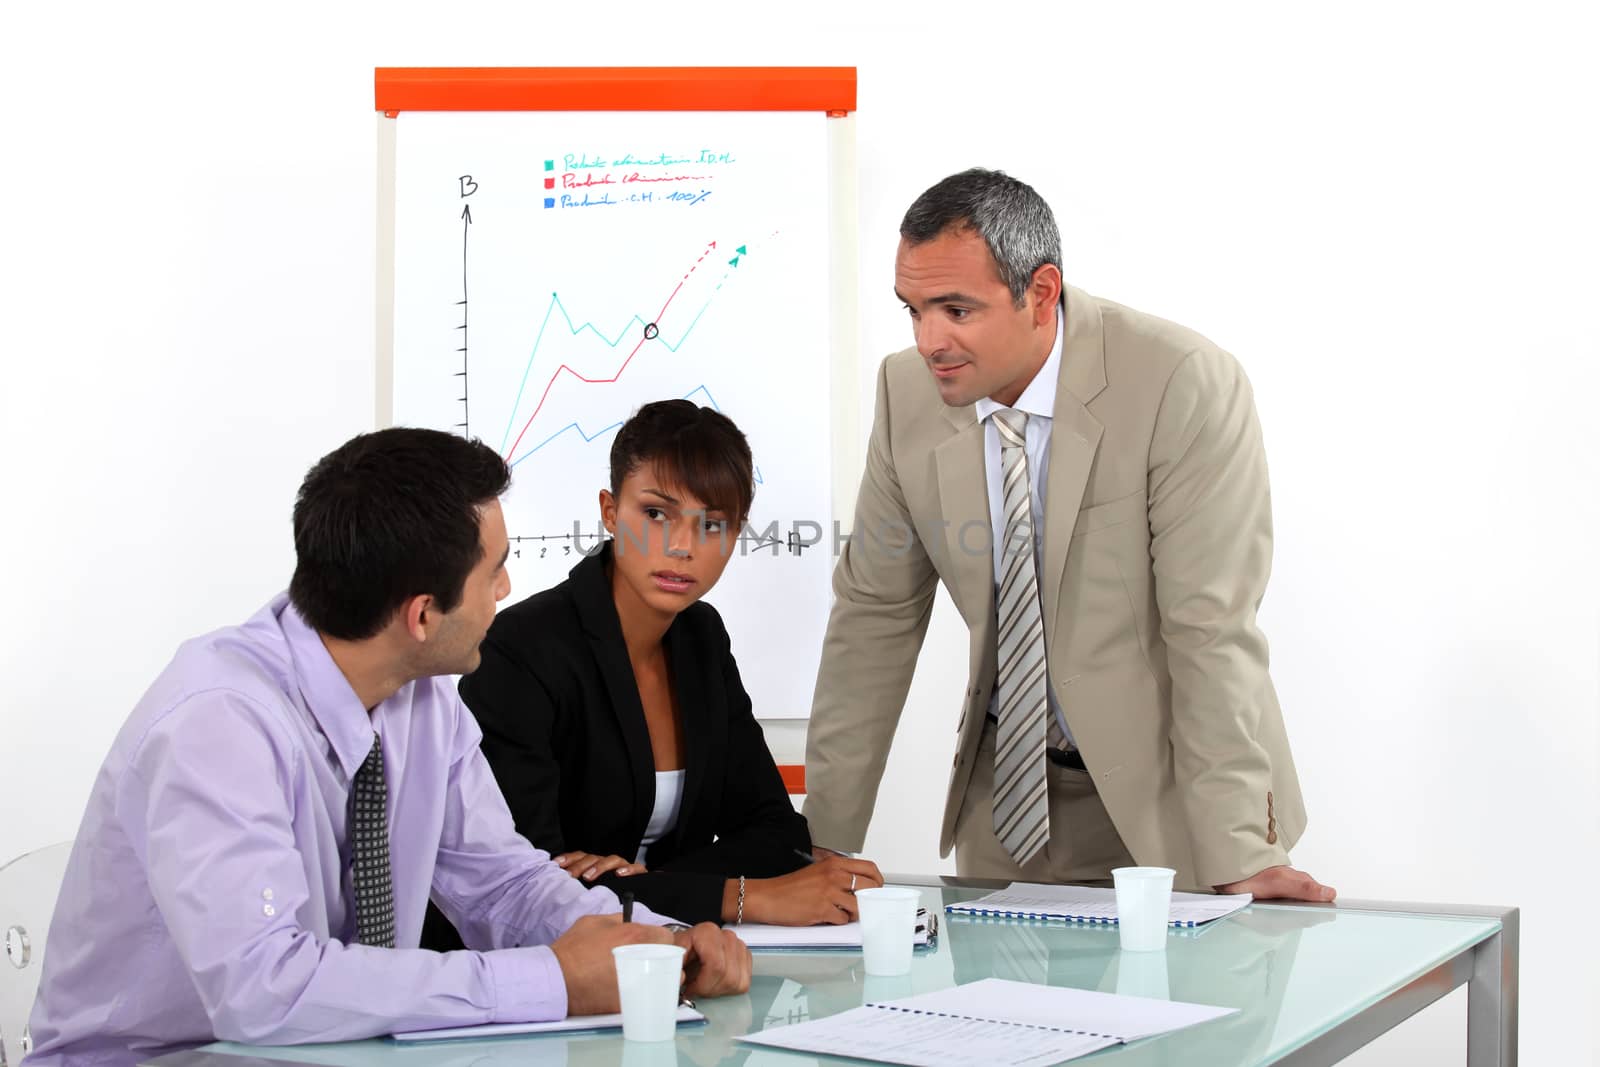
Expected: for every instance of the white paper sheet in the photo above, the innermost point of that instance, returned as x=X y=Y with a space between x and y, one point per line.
x=873 y=1033
x=844 y=935
x=992 y=1021
x=1112 y=1015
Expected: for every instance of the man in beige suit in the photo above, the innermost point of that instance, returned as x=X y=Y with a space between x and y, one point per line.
x=1089 y=484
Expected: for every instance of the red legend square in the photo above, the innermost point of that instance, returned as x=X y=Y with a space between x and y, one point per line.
x=549 y=183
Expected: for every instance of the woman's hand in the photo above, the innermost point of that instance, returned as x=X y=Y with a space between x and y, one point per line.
x=821 y=893
x=588 y=866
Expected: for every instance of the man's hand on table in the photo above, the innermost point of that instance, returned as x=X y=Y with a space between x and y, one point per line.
x=1281 y=883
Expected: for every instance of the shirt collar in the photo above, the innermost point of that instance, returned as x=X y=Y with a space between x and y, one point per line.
x=332 y=702
x=1039 y=398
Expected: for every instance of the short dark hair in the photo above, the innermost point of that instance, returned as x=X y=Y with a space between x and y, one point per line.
x=387 y=516
x=697 y=448
x=1010 y=216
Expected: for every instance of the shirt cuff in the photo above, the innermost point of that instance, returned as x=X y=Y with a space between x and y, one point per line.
x=528 y=985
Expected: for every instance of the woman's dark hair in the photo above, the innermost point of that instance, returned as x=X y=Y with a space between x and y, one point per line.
x=387 y=516
x=699 y=449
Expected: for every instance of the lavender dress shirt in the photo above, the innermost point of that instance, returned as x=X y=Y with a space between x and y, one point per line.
x=208 y=894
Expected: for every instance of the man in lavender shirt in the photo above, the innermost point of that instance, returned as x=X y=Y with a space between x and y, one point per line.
x=209 y=894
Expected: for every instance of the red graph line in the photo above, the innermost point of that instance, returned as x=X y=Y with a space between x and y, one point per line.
x=601 y=381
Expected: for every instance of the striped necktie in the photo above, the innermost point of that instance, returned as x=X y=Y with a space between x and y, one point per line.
x=1021 y=805
x=369 y=796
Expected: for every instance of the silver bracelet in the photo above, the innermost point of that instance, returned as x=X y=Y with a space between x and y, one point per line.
x=739 y=919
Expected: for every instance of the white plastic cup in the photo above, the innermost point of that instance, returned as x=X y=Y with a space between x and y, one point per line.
x=648 y=978
x=634 y=1054
x=888 y=928
x=1144 y=900
x=875 y=989
x=1143 y=974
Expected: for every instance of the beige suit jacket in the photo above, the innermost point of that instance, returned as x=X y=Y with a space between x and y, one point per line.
x=1157 y=546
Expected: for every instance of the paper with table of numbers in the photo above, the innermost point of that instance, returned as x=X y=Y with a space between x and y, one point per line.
x=994 y=1021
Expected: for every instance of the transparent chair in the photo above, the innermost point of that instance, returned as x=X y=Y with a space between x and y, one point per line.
x=29 y=886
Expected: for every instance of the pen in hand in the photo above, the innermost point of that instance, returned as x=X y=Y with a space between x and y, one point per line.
x=627 y=905
x=808 y=857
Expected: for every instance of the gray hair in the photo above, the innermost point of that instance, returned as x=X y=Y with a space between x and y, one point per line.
x=1013 y=220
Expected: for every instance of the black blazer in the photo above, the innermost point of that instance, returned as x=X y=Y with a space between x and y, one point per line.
x=565 y=733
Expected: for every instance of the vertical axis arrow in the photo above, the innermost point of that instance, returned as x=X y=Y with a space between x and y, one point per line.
x=466 y=413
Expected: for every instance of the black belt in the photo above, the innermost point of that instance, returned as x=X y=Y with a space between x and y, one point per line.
x=1066 y=757
x=1061 y=757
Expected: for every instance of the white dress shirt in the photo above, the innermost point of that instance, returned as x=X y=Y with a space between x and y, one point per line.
x=1038 y=400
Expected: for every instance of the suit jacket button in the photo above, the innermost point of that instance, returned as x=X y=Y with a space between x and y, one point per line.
x=1272 y=837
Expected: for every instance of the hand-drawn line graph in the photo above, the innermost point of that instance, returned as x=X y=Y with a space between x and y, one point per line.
x=648 y=332
x=651 y=331
x=589 y=438
x=577 y=318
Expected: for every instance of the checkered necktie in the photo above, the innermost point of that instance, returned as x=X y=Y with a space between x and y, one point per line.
x=369 y=796
x=1021 y=805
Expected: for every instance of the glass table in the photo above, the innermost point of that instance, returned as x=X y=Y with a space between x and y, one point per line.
x=1312 y=984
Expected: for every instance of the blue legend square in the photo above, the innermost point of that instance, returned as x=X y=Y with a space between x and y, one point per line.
x=549 y=201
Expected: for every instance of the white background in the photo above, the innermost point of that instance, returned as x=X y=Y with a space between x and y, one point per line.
x=1387 y=211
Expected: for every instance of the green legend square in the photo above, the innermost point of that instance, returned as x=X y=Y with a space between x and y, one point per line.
x=549 y=164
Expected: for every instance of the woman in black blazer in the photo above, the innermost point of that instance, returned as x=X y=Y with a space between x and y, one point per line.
x=612 y=711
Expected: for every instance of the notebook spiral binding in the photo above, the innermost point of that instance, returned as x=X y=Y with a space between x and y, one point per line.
x=975 y=1019
x=1082 y=920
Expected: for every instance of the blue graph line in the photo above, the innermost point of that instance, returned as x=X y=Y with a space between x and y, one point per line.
x=569 y=426
x=555 y=302
x=588 y=437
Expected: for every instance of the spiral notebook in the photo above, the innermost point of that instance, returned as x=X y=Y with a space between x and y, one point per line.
x=1083 y=904
x=994 y=1021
